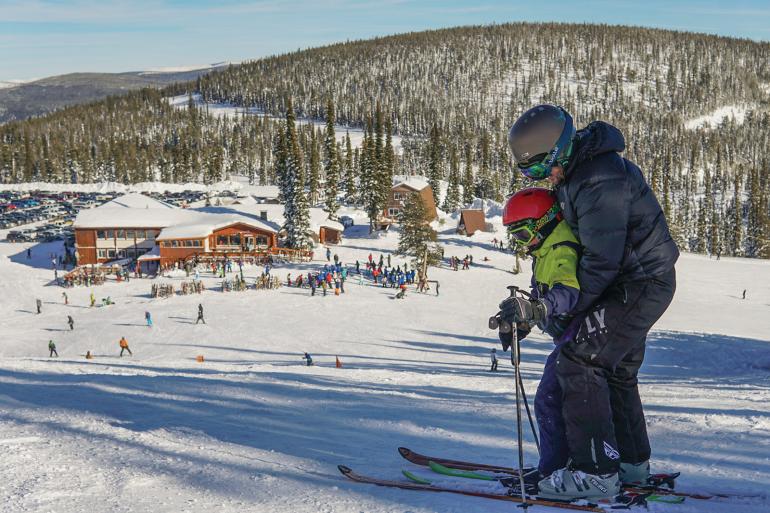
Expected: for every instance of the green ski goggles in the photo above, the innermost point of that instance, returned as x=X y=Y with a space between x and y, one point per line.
x=523 y=234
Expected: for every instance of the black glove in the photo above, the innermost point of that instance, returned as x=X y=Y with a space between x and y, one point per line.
x=506 y=338
x=516 y=309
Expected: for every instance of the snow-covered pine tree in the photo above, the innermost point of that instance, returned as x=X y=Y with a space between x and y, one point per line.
x=331 y=163
x=350 y=171
x=314 y=169
x=452 y=199
x=296 y=209
x=435 y=161
x=416 y=238
x=468 y=188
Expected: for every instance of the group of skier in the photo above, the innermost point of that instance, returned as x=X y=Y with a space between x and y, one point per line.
x=603 y=273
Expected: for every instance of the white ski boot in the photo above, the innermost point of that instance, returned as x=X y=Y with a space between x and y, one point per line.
x=566 y=484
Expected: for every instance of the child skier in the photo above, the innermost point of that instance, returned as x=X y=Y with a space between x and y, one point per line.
x=535 y=222
x=52 y=349
x=124 y=346
x=493 y=358
x=308 y=359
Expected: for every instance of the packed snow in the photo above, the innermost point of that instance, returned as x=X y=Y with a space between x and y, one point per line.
x=252 y=429
x=735 y=113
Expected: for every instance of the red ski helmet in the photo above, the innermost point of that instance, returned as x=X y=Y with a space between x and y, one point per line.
x=528 y=211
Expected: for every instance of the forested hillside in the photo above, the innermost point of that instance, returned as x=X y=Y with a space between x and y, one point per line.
x=451 y=95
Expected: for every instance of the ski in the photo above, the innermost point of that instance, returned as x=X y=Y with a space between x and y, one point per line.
x=411 y=485
x=627 y=496
x=662 y=484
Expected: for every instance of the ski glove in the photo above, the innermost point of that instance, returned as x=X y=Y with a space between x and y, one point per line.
x=506 y=338
x=516 y=309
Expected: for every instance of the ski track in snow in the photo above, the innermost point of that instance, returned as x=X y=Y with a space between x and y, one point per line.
x=251 y=429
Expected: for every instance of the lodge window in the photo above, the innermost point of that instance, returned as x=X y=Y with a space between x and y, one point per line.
x=151 y=234
x=229 y=240
x=121 y=253
x=110 y=253
x=101 y=253
x=130 y=234
x=140 y=235
x=263 y=215
x=121 y=234
x=101 y=234
x=392 y=212
x=110 y=234
x=399 y=196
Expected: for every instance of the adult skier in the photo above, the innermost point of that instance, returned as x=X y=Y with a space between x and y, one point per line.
x=148 y=319
x=308 y=359
x=39 y=305
x=71 y=322
x=52 y=349
x=200 y=314
x=627 y=280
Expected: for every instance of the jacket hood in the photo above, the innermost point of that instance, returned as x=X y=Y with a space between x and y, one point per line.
x=595 y=139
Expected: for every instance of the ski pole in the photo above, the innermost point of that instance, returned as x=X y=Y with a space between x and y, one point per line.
x=515 y=357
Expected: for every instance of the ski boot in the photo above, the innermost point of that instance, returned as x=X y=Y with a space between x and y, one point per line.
x=566 y=484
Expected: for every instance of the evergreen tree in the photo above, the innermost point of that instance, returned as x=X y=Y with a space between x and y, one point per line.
x=417 y=238
x=435 y=162
x=350 y=171
x=452 y=200
x=331 y=163
x=468 y=188
x=296 y=210
x=314 y=169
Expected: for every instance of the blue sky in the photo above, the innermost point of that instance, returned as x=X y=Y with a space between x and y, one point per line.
x=40 y=38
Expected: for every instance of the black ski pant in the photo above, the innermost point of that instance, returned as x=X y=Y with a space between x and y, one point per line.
x=597 y=373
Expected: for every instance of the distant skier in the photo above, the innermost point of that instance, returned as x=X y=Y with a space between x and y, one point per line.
x=308 y=359
x=148 y=319
x=493 y=358
x=66 y=299
x=93 y=299
x=52 y=349
x=29 y=253
x=200 y=314
x=39 y=305
x=71 y=322
x=744 y=293
x=124 y=346
x=328 y=254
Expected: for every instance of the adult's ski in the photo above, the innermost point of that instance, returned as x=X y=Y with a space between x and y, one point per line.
x=406 y=485
x=663 y=484
x=622 y=501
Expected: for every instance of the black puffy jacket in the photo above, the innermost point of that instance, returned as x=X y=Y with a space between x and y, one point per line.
x=614 y=214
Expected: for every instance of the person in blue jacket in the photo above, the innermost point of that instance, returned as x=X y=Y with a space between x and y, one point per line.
x=627 y=281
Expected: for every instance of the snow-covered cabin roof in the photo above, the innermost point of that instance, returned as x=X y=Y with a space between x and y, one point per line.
x=122 y=217
x=413 y=182
x=136 y=200
x=274 y=213
x=204 y=224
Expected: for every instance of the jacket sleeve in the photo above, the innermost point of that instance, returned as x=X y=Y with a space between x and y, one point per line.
x=602 y=219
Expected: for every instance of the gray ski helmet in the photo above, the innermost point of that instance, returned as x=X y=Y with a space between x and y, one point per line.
x=539 y=131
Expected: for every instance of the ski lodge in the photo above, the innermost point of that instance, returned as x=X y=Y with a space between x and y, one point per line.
x=401 y=191
x=137 y=227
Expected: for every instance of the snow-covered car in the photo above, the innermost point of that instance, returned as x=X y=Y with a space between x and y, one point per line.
x=346 y=221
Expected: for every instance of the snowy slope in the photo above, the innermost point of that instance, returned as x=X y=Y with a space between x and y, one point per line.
x=253 y=430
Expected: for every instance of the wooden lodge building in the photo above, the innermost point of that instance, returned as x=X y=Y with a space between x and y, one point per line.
x=401 y=191
x=154 y=233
